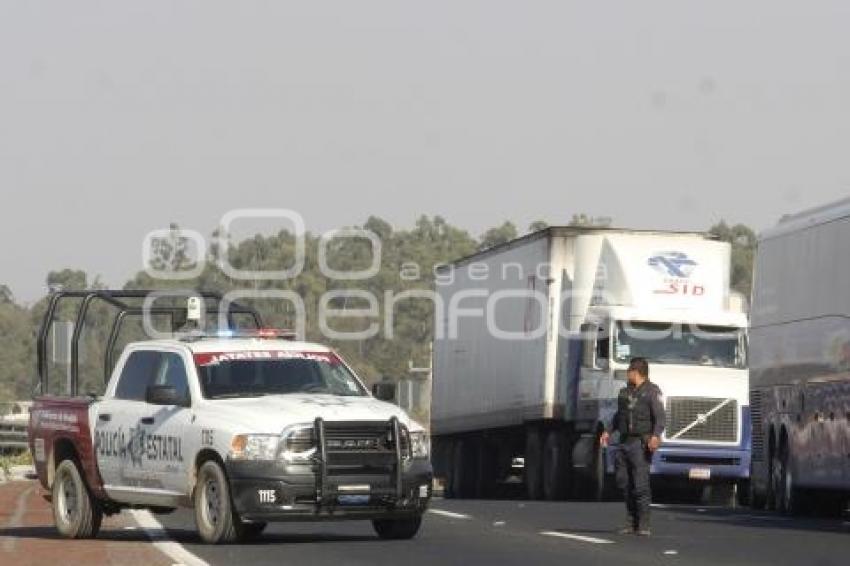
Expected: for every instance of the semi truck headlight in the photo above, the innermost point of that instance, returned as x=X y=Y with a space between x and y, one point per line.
x=254 y=447
x=420 y=444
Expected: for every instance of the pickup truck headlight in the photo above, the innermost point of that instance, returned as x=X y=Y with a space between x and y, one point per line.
x=254 y=447
x=298 y=444
x=420 y=444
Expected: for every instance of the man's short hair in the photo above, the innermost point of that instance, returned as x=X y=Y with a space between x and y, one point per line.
x=639 y=365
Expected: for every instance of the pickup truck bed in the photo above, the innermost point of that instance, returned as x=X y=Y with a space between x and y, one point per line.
x=59 y=428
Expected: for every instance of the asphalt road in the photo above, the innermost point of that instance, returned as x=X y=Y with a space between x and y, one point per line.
x=526 y=533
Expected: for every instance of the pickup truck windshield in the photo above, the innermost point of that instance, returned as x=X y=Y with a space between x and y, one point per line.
x=253 y=374
x=666 y=343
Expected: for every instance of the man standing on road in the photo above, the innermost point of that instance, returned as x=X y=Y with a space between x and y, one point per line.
x=639 y=421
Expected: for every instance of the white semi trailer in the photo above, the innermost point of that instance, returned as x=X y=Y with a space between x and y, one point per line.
x=532 y=341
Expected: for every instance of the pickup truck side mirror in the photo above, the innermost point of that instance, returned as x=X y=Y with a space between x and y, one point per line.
x=384 y=391
x=163 y=395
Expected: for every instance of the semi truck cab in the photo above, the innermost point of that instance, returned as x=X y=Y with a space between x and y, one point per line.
x=700 y=364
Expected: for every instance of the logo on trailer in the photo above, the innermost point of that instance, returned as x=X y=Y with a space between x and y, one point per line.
x=673 y=264
x=676 y=268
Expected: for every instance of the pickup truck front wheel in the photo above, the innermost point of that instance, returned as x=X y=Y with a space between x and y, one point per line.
x=214 y=514
x=75 y=512
x=397 y=529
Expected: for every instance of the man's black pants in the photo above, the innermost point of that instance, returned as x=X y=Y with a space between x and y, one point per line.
x=632 y=471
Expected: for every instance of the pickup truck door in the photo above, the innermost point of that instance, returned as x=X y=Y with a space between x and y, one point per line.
x=167 y=427
x=119 y=433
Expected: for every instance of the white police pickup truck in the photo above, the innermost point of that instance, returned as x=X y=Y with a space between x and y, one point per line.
x=246 y=429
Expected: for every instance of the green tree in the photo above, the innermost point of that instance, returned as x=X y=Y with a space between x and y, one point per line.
x=498 y=235
x=538 y=225
x=173 y=252
x=68 y=279
x=6 y=295
x=743 y=240
x=586 y=221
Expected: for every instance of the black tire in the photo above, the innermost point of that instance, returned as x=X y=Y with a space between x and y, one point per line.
x=788 y=499
x=449 y=485
x=757 y=498
x=250 y=531
x=743 y=494
x=556 y=466
x=600 y=486
x=464 y=469
x=487 y=460
x=75 y=512
x=533 y=473
x=215 y=518
x=397 y=529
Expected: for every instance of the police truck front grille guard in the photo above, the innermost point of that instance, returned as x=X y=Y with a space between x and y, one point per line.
x=324 y=495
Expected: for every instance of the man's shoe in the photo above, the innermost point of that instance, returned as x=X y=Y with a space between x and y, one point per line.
x=644 y=532
x=627 y=531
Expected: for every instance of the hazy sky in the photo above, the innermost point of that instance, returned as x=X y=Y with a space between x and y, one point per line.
x=119 y=117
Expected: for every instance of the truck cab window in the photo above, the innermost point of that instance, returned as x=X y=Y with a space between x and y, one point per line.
x=138 y=373
x=172 y=371
x=603 y=346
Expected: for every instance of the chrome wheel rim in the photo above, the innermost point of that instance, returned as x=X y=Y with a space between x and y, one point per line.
x=68 y=503
x=212 y=502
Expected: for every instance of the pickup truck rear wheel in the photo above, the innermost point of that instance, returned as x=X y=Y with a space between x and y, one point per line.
x=76 y=513
x=214 y=515
x=397 y=529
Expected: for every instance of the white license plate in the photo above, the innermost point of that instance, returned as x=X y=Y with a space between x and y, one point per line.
x=699 y=473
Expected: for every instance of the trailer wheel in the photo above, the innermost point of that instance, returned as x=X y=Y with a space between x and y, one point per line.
x=397 y=529
x=533 y=473
x=487 y=460
x=75 y=512
x=448 y=458
x=788 y=498
x=556 y=466
x=214 y=515
x=595 y=484
x=464 y=469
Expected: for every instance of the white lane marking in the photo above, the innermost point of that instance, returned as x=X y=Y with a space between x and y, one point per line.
x=671 y=552
x=659 y=506
x=448 y=514
x=156 y=532
x=580 y=538
x=499 y=524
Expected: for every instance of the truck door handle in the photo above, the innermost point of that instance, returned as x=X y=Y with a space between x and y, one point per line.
x=105 y=417
x=147 y=420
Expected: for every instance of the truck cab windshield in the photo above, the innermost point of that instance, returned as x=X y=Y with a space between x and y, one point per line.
x=255 y=378
x=684 y=344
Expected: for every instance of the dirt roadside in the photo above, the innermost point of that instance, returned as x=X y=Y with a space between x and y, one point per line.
x=27 y=535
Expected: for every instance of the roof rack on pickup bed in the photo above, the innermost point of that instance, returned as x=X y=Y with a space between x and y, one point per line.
x=127 y=303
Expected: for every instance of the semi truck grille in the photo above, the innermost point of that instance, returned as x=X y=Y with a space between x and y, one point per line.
x=702 y=419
